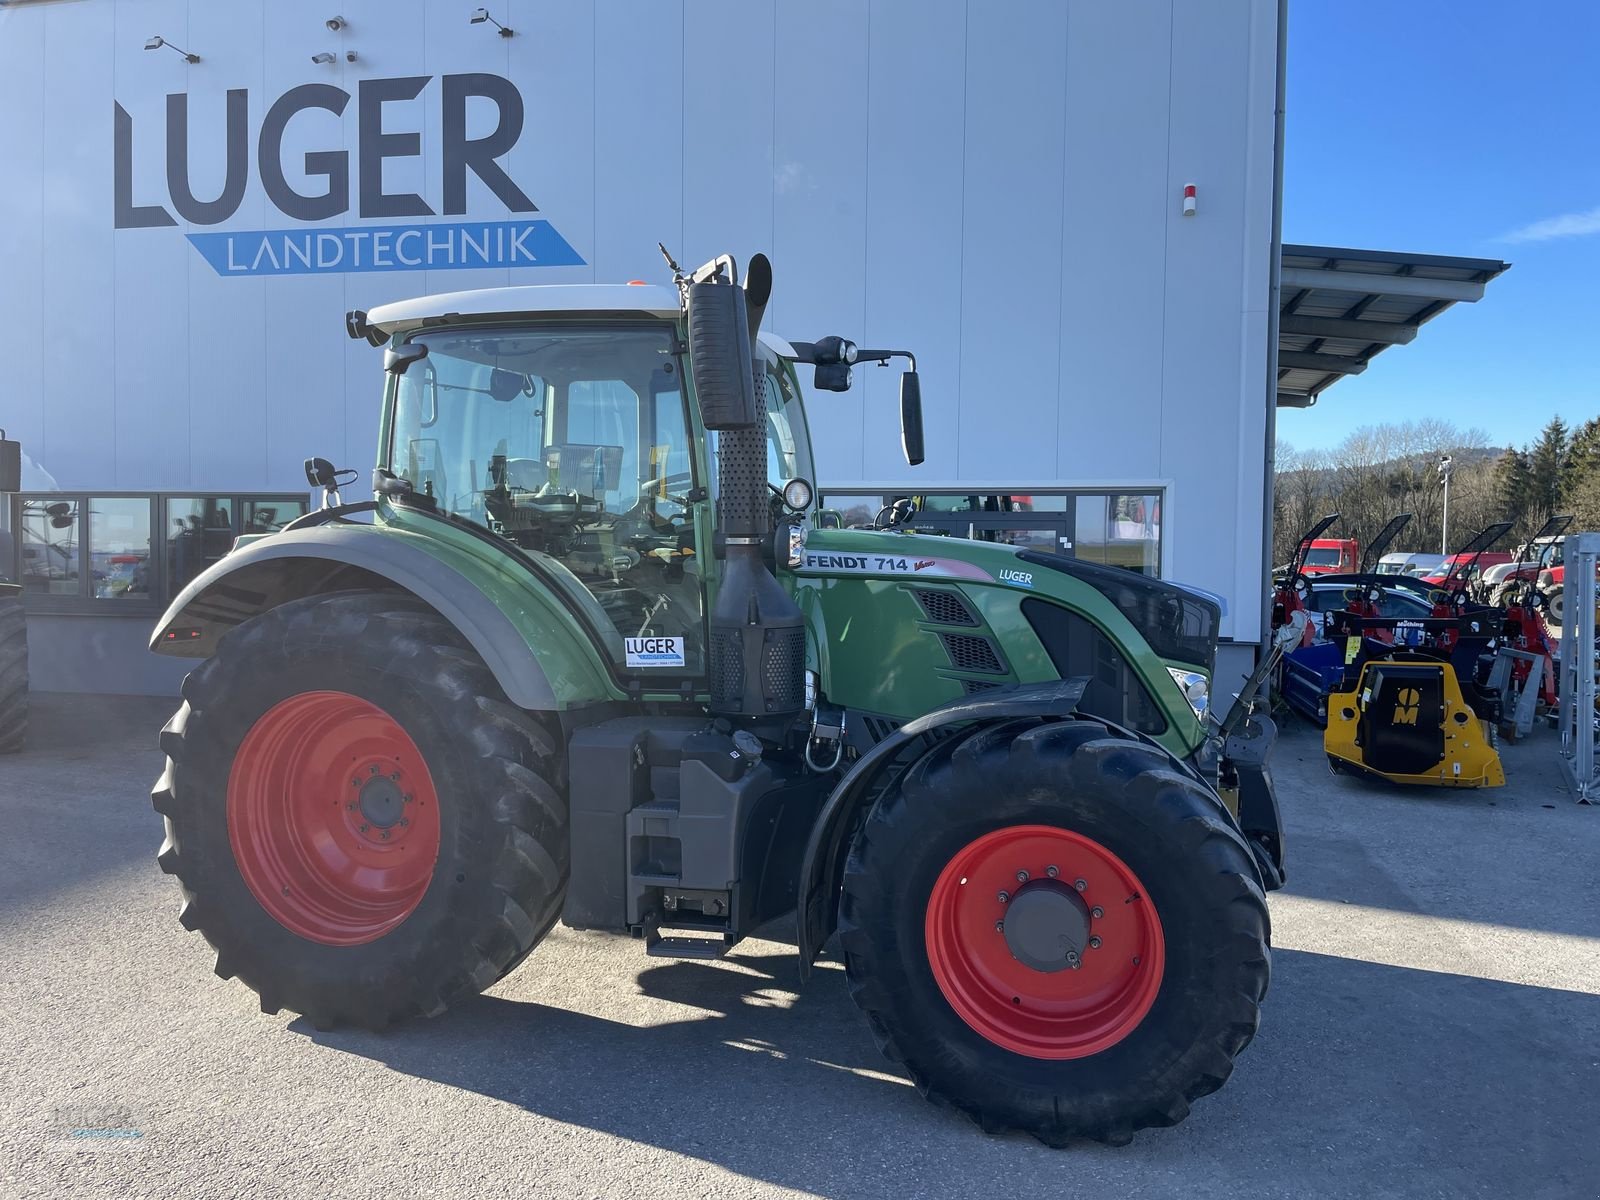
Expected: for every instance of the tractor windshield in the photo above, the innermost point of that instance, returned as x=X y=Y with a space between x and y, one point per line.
x=568 y=440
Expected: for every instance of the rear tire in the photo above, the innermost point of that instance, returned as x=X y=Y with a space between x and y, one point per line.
x=1149 y=1020
x=13 y=676
x=330 y=697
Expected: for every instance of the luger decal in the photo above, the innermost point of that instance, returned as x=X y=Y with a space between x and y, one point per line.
x=343 y=187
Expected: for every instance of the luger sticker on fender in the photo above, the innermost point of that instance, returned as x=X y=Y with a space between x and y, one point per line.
x=654 y=651
x=832 y=562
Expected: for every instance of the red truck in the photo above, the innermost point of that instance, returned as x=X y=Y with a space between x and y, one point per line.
x=1330 y=556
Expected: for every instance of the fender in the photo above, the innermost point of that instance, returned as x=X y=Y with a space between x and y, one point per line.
x=336 y=555
x=815 y=915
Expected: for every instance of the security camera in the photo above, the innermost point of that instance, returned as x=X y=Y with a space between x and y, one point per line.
x=349 y=56
x=336 y=23
x=324 y=58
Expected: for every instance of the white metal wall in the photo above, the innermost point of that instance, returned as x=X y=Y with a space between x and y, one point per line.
x=994 y=184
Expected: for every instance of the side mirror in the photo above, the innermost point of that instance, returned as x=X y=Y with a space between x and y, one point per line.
x=320 y=472
x=719 y=348
x=397 y=360
x=10 y=465
x=911 y=417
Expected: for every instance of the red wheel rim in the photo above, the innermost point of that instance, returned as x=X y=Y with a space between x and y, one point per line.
x=1060 y=1012
x=333 y=818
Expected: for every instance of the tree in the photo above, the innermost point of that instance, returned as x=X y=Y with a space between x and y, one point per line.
x=1547 y=465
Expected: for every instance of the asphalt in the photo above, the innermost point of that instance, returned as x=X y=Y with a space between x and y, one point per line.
x=1433 y=1029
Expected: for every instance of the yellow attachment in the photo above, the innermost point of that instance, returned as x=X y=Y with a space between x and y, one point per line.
x=1409 y=710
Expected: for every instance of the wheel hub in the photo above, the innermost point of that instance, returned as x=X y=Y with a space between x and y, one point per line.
x=1046 y=926
x=381 y=801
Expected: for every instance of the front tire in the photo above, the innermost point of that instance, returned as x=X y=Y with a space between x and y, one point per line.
x=1555 y=605
x=1056 y=931
x=365 y=828
x=13 y=676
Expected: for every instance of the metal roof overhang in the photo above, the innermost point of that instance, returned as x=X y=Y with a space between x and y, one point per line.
x=1340 y=308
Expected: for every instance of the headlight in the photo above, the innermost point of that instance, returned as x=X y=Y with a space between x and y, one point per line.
x=1195 y=688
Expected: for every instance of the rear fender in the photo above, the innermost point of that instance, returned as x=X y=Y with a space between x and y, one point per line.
x=536 y=673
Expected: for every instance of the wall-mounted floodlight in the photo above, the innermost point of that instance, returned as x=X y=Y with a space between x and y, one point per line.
x=335 y=24
x=158 y=41
x=480 y=15
x=324 y=58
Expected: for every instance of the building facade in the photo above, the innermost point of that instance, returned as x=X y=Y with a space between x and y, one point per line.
x=999 y=187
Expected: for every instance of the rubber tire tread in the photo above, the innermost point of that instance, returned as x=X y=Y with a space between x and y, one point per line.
x=1077 y=774
x=501 y=877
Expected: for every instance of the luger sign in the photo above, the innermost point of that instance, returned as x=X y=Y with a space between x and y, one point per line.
x=341 y=186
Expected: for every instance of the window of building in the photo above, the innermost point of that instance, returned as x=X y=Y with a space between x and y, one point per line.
x=49 y=546
x=119 y=547
x=128 y=553
x=1118 y=529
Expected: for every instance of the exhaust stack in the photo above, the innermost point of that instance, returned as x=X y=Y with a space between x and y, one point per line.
x=758 y=638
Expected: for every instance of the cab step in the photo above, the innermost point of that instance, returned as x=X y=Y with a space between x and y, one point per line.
x=675 y=946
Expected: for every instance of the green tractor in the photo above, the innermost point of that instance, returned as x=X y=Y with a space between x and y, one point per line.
x=588 y=656
x=13 y=622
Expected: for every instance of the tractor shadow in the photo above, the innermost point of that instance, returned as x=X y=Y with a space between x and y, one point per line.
x=1361 y=1072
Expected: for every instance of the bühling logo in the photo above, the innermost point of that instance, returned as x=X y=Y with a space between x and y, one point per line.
x=336 y=188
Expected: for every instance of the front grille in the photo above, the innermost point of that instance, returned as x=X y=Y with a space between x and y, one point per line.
x=944 y=608
x=969 y=686
x=879 y=728
x=969 y=652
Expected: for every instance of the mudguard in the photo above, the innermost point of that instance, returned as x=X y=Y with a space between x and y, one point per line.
x=815 y=915
x=328 y=557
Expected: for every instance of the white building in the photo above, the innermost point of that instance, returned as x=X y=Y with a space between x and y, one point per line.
x=996 y=186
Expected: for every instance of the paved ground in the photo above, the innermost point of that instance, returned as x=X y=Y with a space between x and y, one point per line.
x=1433 y=1030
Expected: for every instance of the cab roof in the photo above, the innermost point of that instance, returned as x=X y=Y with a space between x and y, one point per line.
x=641 y=299
x=626 y=299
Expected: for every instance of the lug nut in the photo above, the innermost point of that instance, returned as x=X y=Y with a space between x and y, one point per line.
x=1097 y=912
x=999 y=926
x=362 y=828
x=406 y=799
x=1052 y=872
x=373 y=769
x=355 y=783
x=385 y=835
x=404 y=822
x=1094 y=943
x=351 y=807
x=1022 y=877
x=1003 y=897
x=395 y=778
x=1080 y=884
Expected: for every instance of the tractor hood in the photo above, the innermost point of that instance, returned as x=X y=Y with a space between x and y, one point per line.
x=1180 y=623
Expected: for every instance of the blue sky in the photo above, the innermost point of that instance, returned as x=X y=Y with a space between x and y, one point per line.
x=1466 y=127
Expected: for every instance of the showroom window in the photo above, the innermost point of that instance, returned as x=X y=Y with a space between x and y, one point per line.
x=126 y=553
x=1119 y=529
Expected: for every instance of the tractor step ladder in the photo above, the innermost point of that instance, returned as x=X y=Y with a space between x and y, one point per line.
x=1581 y=552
